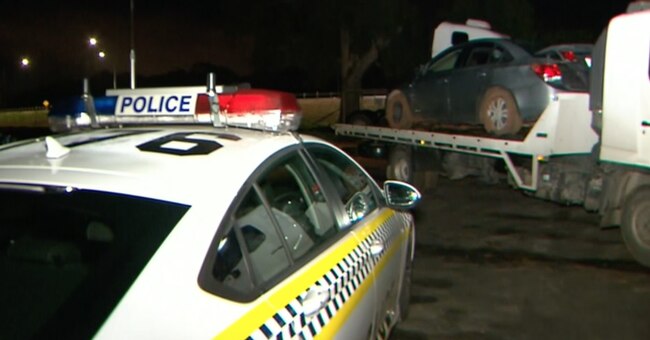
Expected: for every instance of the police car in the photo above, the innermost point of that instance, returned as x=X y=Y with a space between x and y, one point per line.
x=196 y=231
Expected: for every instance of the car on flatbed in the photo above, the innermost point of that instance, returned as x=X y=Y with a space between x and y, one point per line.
x=495 y=83
x=195 y=231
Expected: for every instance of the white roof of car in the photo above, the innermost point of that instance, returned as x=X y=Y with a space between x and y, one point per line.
x=111 y=160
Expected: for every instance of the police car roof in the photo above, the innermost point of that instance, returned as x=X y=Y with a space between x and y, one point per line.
x=179 y=164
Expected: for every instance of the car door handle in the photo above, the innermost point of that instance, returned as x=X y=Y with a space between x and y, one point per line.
x=376 y=247
x=481 y=75
x=315 y=300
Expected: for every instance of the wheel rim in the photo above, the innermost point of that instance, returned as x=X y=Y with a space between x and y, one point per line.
x=641 y=227
x=498 y=113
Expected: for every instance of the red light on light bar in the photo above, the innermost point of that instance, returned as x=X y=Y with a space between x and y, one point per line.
x=253 y=100
x=202 y=104
x=261 y=109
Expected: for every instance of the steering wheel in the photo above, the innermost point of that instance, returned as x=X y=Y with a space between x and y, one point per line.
x=291 y=203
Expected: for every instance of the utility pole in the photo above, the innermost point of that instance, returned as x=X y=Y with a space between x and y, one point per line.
x=132 y=54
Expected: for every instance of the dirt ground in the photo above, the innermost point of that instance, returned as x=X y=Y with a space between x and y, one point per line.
x=493 y=263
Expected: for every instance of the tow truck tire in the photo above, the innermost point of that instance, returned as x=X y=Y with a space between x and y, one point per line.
x=405 y=166
x=398 y=111
x=360 y=118
x=635 y=227
x=499 y=113
x=400 y=164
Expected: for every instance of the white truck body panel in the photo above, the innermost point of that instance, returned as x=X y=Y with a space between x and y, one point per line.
x=443 y=35
x=626 y=107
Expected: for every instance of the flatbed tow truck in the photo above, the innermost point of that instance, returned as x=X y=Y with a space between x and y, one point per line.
x=590 y=149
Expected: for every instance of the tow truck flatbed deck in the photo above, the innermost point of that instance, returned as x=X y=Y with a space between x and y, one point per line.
x=564 y=128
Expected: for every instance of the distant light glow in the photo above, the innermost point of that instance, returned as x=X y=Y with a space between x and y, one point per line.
x=101 y=54
x=24 y=62
x=92 y=41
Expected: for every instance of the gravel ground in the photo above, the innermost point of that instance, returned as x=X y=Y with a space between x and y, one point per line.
x=493 y=263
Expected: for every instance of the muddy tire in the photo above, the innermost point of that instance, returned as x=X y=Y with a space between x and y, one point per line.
x=398 y=111
x=635 y=227
x=499 y=113
x=404 y=165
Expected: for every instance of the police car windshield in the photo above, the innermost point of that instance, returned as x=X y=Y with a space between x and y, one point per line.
x=71 y=255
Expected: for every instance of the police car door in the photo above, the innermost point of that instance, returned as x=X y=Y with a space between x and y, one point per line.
x=381 y=232
x=284 y=254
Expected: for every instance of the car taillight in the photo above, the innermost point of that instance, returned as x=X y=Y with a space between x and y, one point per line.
x=548 y=72
x=569 y=55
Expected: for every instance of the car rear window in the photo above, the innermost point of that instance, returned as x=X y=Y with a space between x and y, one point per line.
x=67 y=256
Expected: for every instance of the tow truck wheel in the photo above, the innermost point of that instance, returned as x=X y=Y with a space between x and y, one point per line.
x=499 y=113
x=360 y=118
x=636 y=225
x=398 y=111
x=400 y=164
x=404 y=166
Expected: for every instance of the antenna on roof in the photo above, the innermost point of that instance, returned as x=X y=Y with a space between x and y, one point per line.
x=213 y=98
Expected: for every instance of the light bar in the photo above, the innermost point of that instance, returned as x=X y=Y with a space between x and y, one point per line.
x=250 y=108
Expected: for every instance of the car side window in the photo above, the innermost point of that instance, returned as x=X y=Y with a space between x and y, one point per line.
x=282 y=218
x=445 y=63
x=500 y=55
x=252 y=235
x=298 y=205
x=355 y=189
x=479 y=56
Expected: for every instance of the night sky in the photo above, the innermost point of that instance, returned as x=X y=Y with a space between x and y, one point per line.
x=172 y=35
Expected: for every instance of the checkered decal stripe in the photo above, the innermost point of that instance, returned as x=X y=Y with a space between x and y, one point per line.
x=342 y=281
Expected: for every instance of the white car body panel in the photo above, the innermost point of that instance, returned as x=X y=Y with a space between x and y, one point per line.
x=165 y=301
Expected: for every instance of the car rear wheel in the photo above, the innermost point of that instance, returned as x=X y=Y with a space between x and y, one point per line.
x=499 y=113
x=398 y=111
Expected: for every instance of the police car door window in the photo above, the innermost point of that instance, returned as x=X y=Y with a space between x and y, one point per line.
x=281 y=219
x=298 y=205
x=353 y=186
x=253 y=236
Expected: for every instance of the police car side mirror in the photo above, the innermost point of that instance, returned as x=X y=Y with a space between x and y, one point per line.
x=400 y=195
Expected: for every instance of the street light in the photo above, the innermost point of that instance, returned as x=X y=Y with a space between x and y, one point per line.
x=102 y=56
x=93 y=43
x=24 y=62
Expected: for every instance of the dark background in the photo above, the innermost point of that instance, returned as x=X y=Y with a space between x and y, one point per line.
x=291 y=45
